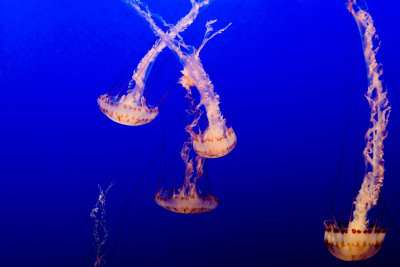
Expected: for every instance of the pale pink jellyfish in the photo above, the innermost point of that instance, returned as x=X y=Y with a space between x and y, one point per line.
x=217 y=140
x=188 y=198
x=356 y=241
x=131 y=109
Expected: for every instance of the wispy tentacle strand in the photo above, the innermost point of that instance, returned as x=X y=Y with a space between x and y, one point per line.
x=380 y=110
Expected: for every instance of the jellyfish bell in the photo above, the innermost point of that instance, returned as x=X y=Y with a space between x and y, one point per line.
x=125 y=110
x=189 y=198
x=177 y=201
x=352 y=244
x=214 y=144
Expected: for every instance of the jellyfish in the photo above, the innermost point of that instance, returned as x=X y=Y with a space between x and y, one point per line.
x=188 y=199
x=217 y=139
x=131 y=109
x=356 y=240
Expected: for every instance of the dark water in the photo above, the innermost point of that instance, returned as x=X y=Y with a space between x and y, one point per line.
x=291 y=77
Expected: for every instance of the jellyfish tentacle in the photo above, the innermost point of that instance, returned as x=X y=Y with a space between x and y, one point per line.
x=217 y=140
x=142 y=71
x=380 y=110
x=100 y=232
x=207 y=36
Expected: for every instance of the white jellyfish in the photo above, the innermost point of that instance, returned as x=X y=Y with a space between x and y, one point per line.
x=131 y=109
x=188 y=199
x=217 y=140
x=356 y=241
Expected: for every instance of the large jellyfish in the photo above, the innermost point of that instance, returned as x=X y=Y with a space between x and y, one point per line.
x=356 y=240
x=131 y=109
x=217 y=140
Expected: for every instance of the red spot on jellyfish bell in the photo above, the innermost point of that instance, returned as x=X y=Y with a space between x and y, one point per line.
x=353 y=244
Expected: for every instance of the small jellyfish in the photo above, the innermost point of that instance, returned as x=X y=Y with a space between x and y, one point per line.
x=358 y=241
x=188 y=199
x=131 y=109
x=217 y=139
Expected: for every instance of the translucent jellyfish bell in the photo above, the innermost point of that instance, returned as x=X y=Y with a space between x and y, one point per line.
x=177 y=201
x=350 y=244
x=214 y=144
x=125 y=111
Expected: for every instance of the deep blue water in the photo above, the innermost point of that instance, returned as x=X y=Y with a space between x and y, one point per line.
x=291 y=77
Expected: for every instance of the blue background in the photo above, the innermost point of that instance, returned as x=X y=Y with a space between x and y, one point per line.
x=291 y=77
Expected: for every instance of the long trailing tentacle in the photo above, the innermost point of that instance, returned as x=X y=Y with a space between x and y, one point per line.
x=380 y=111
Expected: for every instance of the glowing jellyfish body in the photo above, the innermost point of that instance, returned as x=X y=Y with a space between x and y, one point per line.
x=187 y=199
x=358 y=241
x=131 y=109
x=181 y=202
x=217 y=140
